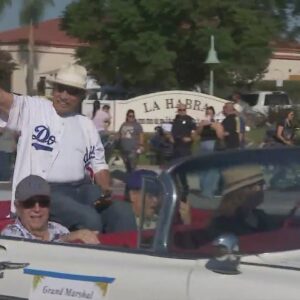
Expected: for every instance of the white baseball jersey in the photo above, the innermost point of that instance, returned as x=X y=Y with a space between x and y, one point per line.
x=43 y=135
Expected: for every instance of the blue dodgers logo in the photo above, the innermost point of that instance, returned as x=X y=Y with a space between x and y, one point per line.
x=89 y=154
x=43 y=138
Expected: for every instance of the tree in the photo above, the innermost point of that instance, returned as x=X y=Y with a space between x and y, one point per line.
x=3 y=4
x=162 y=44
x=6 y=62
x=7 y=65
x=31 y=13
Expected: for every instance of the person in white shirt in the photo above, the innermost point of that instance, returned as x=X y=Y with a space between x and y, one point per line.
x=101 y=119
x=62 y=147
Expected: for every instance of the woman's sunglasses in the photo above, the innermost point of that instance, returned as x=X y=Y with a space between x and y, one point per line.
x=43 y=201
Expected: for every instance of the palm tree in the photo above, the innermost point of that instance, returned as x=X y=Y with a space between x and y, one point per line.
x=31 y=13
x=7 y=64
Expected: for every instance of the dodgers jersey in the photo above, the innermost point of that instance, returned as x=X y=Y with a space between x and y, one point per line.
x=49 y=146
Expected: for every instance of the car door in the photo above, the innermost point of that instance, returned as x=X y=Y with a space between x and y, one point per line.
x=246 y=235
x=258 y=278
x=127 y=274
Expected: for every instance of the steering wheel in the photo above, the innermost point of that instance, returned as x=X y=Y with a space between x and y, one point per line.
x=289 y=219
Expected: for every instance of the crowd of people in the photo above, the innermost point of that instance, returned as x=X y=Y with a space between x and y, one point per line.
x=61 y=180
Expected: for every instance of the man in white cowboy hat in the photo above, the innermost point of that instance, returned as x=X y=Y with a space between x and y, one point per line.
x=61 y=146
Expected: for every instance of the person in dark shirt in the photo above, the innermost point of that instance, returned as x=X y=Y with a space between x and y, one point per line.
x=209 y=131
x=211 y=134
x=242 y=123
x=183 y=133
x=285 y=129
x=162 y=146
x=231 y=125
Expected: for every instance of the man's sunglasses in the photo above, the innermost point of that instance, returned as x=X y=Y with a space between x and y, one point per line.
x=73 y=91
x=43 y=201
x=183 y=109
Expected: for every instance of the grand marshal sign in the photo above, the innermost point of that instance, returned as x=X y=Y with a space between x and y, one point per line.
x=157 y=108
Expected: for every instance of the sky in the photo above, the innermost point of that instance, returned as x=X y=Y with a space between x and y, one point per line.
x=9 y=19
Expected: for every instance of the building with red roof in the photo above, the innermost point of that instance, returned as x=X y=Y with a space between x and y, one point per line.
x=53 y=48
x=285 y=62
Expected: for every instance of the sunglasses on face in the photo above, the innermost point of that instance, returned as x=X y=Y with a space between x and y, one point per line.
x=43 y=201
x=181 y=109
x=260 y=185
x=73 y=91
x=130 y=116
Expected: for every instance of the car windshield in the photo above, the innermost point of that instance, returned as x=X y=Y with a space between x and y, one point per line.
x=254 y=196
x=277 y=99
x=250 y=99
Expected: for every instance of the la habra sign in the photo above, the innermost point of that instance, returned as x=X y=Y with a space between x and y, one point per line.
x=154 y=109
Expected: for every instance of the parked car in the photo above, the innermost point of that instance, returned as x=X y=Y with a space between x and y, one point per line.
x=263 y=101
x=241 y=243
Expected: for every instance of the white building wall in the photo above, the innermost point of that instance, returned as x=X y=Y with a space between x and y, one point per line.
x=48 y=60
x=282 y=69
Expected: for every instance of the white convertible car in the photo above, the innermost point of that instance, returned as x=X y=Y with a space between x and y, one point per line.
x=241 y=239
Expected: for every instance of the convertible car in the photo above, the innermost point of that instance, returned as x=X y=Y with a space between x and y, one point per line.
x=223 y=226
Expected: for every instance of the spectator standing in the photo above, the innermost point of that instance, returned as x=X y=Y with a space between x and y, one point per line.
x=62 y=146
x=183 y=133
x=231 y=125
x=211 y=134
x=236 y=97
x=7 y=150
x=285 y=129
x=131 y=141
x=219 y=117
x=209 y=131
x=96 y=107
x=242 y=134
x=102 y=119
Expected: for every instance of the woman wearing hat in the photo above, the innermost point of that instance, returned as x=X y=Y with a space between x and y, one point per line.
x=242 y=194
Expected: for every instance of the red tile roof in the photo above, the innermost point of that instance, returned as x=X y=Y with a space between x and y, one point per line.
x=47 y=33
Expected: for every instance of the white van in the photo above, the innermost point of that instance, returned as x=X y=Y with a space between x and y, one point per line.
x=261 y=101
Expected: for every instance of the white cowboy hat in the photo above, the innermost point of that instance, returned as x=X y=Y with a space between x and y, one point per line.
x=71 y=75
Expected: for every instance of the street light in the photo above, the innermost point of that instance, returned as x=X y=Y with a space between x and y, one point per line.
x=212 y=58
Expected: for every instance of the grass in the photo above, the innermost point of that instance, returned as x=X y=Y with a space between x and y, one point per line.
x=254 y=136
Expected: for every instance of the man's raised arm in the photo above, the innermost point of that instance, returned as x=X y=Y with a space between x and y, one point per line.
x=6 y=100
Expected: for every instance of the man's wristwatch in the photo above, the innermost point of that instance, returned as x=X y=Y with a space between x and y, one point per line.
x=106 y=194
x=104 y=201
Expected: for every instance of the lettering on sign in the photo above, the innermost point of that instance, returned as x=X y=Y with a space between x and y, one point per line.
x=64 y=286
x=171 y=103
x=154 y=109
